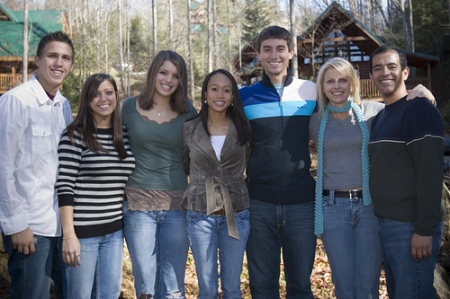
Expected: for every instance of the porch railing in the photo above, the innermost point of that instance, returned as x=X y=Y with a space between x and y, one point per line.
x=8 y=81
x=369 y=91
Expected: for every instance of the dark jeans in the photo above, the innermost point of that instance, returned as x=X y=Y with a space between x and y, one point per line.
x=273 y=227
x=31 y=275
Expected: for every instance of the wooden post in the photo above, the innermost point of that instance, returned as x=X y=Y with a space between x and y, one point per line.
x=429 y=75
x=13 y=77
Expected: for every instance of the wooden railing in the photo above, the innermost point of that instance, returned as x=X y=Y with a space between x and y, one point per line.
x=369 y=91
x=8 y=81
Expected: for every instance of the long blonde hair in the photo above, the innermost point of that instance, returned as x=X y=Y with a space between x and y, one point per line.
x=346 y=69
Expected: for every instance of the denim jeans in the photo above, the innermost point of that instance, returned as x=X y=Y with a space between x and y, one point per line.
x=405 y=277
x=208 y=237
x=353 y=247
x=158 y=245
x=273 y=227
x=100 y=273
x=31 y=275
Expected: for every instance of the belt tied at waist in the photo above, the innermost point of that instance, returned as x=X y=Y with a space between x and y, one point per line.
x=216 y=203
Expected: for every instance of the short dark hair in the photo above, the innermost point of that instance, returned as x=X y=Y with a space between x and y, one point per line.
x=274 y=32
x=235 y=111
x=384 y=49
x=57 y=36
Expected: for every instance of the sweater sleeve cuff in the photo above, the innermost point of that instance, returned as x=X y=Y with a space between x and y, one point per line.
x=423 y=232
x=65 y=200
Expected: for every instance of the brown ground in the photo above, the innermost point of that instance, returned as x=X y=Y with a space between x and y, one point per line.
x=320 y=279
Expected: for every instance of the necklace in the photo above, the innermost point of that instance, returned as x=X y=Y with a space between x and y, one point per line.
x=160 y=112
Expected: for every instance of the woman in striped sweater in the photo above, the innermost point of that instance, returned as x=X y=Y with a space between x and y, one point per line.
x=95 y=162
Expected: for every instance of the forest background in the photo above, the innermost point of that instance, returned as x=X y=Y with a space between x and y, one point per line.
x=121 y=37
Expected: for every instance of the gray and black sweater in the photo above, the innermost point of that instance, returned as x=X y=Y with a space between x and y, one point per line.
x=406 y=164
x=93 y=183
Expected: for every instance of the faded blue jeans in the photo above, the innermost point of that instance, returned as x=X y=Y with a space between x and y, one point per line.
x=273 y=227
x=31 y=275
x=208 y=237
x=100 y=273
x=158 y=246
x=353 y=247
x=405 y=277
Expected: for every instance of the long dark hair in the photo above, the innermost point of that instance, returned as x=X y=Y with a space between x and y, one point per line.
x=178 y=99
x=84 y=122
x=235 y=111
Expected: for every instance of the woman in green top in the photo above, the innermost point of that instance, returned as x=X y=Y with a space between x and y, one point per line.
x=154 y=221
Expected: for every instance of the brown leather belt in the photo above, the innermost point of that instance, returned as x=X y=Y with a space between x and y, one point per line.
x=353 y=194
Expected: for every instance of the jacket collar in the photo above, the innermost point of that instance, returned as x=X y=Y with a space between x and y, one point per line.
x=267 y=83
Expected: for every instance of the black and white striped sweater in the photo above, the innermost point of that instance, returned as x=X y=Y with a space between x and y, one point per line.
x=93 y=183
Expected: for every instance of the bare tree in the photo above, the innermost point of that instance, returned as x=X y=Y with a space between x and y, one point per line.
x=294 y=38
x=209 y=37
x=229 y=37
x=120 y=48
x=191 y=66
x=155 y=32
x=171 y=24
x=25 y=42
x=83 y=34
x=215 y=49
x=127 y=10
x=409 y=39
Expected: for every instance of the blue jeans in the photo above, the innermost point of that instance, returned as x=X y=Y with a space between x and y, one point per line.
x=100 y=273
x=405 y=277
x=158 y=245
x=208 y=236
x=31 y=275
x=353 y=247
x=273 y=227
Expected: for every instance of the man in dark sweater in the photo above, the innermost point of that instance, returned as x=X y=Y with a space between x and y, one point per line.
x=406 y=173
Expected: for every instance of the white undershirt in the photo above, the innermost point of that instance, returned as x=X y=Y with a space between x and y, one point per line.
x=217 y=144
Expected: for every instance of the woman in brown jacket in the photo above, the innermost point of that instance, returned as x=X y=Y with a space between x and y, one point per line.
x=215 y=154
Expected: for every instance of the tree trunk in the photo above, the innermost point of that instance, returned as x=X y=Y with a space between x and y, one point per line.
x=128 y=48
x=411 y=28
x=294 y=63
x=209 y=37
x=120 y=50
x=352 y=7
x=83 y=28
x=98 y=8
x=229 y=38
x=171 y=24
x=215 y=48
x=191 y=65
x=155 y=32
x=25 y=42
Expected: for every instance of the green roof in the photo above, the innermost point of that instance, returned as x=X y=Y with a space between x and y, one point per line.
x=11 y=37
x=41 y=16
x=9 y=12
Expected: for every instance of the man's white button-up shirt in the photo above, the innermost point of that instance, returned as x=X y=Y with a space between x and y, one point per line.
x=30 y=129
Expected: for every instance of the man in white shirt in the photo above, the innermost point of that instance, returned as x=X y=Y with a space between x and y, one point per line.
x=32 y=119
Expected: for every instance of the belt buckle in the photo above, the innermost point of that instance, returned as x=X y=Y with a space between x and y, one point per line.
x=350 y=194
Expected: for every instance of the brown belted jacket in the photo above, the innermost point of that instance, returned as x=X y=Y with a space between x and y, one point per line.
x=214 y=185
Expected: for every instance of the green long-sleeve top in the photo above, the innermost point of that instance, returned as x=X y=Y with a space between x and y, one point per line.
x=157 y=148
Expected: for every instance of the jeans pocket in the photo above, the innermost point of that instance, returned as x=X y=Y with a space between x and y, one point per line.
x=243 y=216
x=326 y=201
x=192 y=217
